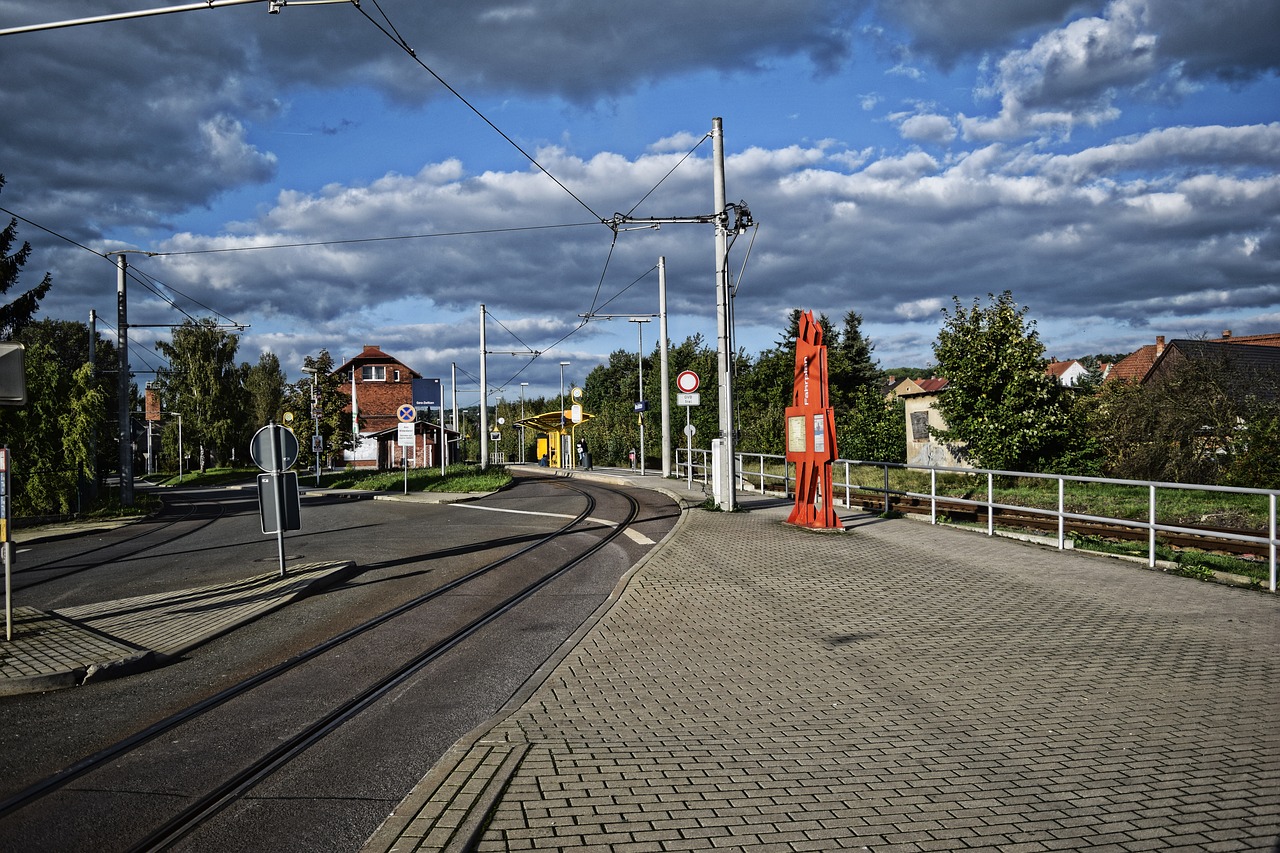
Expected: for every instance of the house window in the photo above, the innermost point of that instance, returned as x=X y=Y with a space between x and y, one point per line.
x=395 y=375
x=373 y=373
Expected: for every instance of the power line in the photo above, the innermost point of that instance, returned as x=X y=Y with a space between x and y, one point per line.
x=351 y=240
x=403 y=45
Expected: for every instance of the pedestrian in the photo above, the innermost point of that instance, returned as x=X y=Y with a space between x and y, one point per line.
x=582 y=455
x=633 y=459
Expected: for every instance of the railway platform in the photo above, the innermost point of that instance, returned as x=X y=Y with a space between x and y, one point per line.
x=753 y=686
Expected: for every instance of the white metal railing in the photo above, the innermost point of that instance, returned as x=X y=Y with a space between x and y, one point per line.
x=753 y=469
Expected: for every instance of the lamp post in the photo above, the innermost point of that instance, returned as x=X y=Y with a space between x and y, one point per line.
x=315 y=418
x=640 y=321
x=560 y=450
x=523 y=385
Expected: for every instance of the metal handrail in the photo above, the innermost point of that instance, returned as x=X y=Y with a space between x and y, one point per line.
x=1151 y=524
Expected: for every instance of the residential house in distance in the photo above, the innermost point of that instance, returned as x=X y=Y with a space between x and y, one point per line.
x=919 y=399
x=1137 y=366
x=380 y=384
x=1068 y=373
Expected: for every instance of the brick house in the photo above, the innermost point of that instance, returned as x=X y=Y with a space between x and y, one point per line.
x=382 y=384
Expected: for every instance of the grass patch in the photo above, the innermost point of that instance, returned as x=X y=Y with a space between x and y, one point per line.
x=1188 y=563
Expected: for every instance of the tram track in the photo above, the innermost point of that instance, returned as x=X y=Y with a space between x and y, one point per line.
x=95 y=772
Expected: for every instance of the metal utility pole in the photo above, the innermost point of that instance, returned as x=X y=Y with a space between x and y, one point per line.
x=315 y=419
x=662 y=363
x=122 y=382
x=453 y=390
x=484 y=396
x=640 y=365
x=726 y=497
x=724 y=355
x=523 y=385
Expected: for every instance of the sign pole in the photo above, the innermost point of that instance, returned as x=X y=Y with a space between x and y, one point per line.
x=5 y=543
x=688 y=437
x=277 y=493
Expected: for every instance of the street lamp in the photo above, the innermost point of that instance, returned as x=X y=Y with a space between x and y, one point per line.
x=639 y=321
x=563 y=365
x=315 y=419
x=523 y=385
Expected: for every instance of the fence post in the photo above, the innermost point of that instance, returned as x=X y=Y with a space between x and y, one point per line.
x=1151 y=522
x=1273 y=541
x=886 y=489
x=933 y=495
x=1062 y=508
x=848 y=504
x=991 y=499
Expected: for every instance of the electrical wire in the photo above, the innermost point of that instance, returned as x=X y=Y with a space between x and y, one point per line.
x=403 y=45
x=352 y=240
x=687 y=155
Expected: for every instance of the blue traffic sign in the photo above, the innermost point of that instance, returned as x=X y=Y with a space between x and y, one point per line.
x=407 y=413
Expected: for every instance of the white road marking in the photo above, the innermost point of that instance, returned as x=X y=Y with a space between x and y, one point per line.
x=634 y=535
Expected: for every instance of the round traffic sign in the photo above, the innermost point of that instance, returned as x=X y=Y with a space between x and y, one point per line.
x=687 y=381
x=690 y=430
x=269 y=441
x=407 y=413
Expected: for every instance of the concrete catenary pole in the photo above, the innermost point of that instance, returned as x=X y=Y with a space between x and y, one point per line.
x=724 y=360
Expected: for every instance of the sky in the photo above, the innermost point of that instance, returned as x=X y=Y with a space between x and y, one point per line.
x=337 y=176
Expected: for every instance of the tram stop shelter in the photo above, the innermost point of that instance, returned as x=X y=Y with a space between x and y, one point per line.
x=557 y=437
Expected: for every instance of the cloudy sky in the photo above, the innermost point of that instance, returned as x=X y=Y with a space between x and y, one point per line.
x=1113 y=164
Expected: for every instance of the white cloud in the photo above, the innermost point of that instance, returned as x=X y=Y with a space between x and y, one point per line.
x=928 y=127
x=1069 y=77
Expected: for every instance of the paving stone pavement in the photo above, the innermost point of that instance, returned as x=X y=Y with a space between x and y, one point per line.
x=897 y=687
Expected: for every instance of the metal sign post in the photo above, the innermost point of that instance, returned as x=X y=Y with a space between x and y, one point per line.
x=405 y=437
x=275 y=449
x=5 y=483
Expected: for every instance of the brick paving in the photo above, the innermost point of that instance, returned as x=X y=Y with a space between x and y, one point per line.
x=897 y=687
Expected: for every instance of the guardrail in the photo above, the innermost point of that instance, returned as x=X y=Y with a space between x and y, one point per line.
x=761 y=471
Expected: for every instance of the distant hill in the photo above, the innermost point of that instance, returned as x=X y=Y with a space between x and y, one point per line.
x=908 y=372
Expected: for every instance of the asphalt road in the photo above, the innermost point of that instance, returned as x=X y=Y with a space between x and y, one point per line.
x=336 y=794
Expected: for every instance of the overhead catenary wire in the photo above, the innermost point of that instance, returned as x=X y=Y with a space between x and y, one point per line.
x=403 y=45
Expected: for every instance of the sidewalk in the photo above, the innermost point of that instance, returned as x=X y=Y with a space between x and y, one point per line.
x=753 y=686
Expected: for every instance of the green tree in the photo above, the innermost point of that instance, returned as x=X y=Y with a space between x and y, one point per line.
x=205 y=385
x=872 y=428
x=17 y=313
x=850 y=365
x=999 y=400
x=329 y=403
x=264 y=385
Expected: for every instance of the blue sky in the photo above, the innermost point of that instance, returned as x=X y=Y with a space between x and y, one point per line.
x=1113 y=164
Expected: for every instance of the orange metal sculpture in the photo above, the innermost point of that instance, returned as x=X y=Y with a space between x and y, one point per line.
x=811 y=431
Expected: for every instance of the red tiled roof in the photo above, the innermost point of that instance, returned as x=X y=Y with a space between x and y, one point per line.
x=1057 y=368
x=1135 y=365
x=1269 y=340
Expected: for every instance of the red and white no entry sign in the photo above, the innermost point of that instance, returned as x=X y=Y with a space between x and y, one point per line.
x=687 y=381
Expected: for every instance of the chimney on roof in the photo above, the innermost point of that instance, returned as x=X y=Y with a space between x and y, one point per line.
x=1053 y=359
x=1226 y=333
x=1159 y=345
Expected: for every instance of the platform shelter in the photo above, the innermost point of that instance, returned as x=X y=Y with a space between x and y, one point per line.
x=557 y=434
